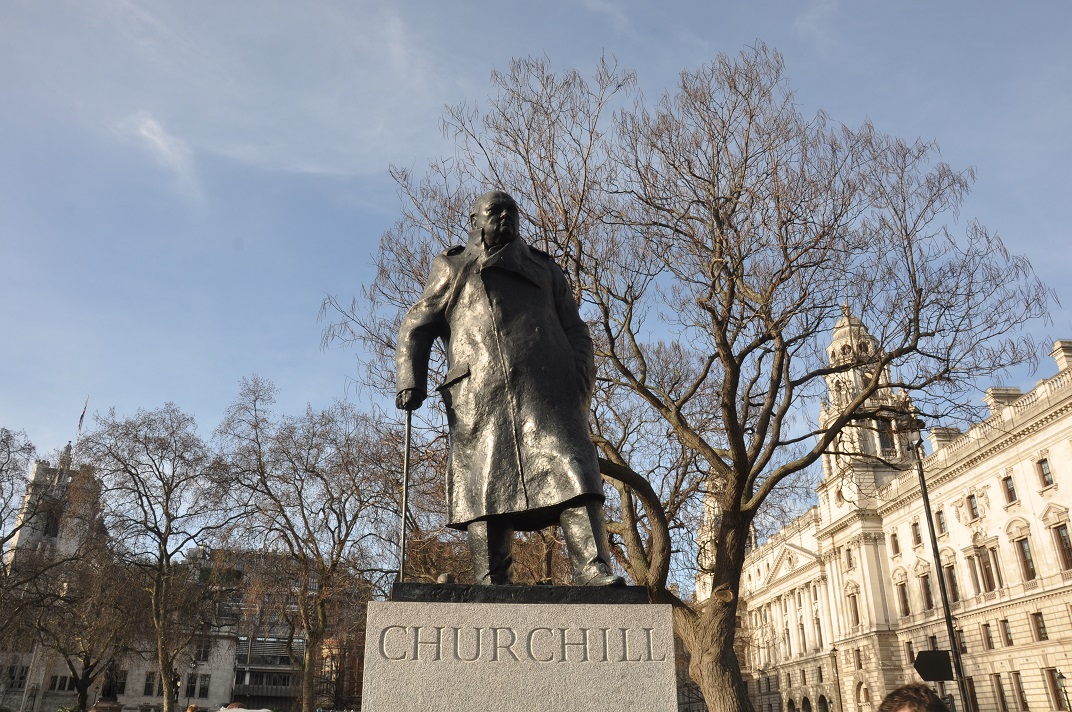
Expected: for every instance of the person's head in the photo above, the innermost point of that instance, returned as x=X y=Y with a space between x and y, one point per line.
x=915 y=697
x=495 y=216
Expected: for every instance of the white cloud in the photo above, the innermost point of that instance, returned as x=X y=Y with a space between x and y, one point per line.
x=614 y=12
x=815 y=24
x=171 y=152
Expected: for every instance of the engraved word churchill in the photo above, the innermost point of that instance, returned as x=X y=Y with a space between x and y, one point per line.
x=538 y=644
x=517 y=392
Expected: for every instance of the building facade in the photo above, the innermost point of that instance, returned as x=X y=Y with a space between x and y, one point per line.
x=58 y=513
x=836 y=605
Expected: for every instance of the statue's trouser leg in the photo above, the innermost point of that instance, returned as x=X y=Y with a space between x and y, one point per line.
x=586 y=542
x=490 y=545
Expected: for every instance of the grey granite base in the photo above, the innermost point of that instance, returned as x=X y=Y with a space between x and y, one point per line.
x=469 y=593
x=518 y=657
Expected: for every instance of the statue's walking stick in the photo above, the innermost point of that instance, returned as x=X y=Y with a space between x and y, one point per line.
x=405 y=495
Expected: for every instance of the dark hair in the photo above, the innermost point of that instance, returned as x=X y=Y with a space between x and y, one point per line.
x=915 y=697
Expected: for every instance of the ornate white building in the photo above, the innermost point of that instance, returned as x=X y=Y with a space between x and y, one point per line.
x=837 y=603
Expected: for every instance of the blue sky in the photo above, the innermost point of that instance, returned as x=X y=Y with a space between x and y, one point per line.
x=181 y=182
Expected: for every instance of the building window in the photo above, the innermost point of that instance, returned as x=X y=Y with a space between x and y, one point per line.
x=902 y=598
x=1027 y=563
x=1009 y=489
x=850 y=563
x=962 y=640
x=150 y=683
x=951 y=583
x=1038 y=626
x=819 y=674
x=895 y=548
x=932 y=641
x=999 y=692
x=885 y=438
x=16 y=676
x=789 y=679
x=803 y=677
x=1064 y=546
x=909 y=652
x=988 y=637
x=858 y=658
x=1044 y=473
x=1006 y=632
x=988 y=568
x=1018 y=689
x=925 y=588
x=971 y=693
x=854 y=610
x=202 y=689
x=939 y=521
x=121 y=682
x=1053 y=686
x=973 y=507
x=202 y=650
x=974 y=571
x=917 y=537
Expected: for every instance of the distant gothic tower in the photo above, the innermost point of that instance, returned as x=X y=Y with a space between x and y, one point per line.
x=60 y=510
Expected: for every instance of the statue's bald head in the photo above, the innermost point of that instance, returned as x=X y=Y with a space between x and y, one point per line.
x=495 y=214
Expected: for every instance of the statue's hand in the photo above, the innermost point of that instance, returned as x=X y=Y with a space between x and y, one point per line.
x=409 y=399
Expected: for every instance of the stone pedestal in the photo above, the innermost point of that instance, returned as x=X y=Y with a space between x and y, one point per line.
x=518 y=657
x=103 y=705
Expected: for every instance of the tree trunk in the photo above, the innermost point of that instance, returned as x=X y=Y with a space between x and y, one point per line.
x=710 y=634
x=167 y=682
x=309 y=674
x=82 y=685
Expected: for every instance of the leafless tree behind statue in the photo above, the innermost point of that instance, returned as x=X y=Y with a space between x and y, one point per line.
x=713 y=239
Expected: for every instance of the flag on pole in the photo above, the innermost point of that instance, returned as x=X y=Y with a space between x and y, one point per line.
x=83 y=416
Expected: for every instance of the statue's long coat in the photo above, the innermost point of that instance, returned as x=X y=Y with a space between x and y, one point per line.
x=518 y=385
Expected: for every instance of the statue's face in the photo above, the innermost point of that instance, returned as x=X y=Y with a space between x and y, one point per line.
x=496 y=215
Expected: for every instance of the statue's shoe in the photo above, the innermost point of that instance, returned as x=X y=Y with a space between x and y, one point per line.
x=596 y=575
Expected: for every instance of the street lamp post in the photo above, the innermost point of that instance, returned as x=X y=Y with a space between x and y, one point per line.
x=837 y=679
x=958 y=665
x=189 y=687
x=1064 y=689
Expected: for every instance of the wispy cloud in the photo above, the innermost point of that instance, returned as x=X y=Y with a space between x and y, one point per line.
x=814 y=24
x=618 y=19
x=169 y=151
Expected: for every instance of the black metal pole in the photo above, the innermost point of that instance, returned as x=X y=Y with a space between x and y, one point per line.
x=958 y=666
x=837 y=681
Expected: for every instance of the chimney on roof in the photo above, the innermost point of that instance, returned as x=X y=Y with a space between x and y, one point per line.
x=997 y=398
x=940 y=437
x=1062 y=354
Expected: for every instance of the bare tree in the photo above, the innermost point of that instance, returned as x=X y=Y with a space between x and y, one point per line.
x=714 y=239
x=16 y=454
x=96 y=616
x=321 y=484
x=165 y=494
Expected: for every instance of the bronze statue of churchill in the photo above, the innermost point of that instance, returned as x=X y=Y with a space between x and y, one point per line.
x=517 y=391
